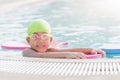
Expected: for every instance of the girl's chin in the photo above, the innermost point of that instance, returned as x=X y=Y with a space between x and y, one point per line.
x=42 y=51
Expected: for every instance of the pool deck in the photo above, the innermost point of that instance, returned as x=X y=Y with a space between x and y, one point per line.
x=58 y=69
x=10 y=5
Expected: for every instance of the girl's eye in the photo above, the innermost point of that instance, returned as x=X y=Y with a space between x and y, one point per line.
x=34 y=36
x=45 y=37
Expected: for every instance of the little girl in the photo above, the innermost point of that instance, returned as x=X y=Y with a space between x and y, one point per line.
x=39 y=38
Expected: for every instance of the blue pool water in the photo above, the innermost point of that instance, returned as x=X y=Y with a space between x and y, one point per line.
x=79 y=30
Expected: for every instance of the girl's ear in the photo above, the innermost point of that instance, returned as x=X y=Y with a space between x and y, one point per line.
x=28 y=39
x=51 y=39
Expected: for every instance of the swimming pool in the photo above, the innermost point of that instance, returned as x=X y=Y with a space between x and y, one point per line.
x=78 y=30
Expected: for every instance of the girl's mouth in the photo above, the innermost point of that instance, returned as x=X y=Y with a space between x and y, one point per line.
x=40 y=46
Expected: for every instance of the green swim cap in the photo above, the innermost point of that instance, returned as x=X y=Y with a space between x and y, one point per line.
x=38 y=25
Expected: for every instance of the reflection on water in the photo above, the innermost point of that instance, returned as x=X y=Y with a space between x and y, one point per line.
x=81 y=26
x=100 y=12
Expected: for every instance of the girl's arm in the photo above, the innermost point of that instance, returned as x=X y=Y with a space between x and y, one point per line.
x=83 y=50
x=70 y=55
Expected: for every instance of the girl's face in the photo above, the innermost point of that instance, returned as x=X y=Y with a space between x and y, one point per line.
x=40 y=41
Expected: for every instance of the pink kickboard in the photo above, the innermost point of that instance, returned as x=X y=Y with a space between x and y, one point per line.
x=94 y=56
x=20 y=45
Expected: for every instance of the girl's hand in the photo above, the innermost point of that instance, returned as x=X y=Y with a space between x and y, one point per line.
x=75 y=55
x=96 y=51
